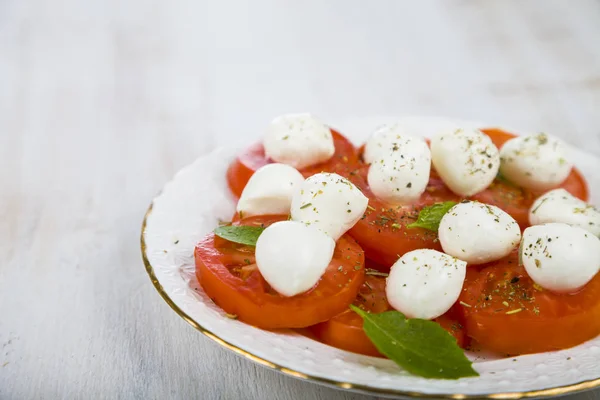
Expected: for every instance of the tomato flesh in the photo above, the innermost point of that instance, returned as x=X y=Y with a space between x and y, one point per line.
x=228 y=274
x=253 y=158
x=512 y=199
x=383 y=231
x=507 y=313
x=345 y=331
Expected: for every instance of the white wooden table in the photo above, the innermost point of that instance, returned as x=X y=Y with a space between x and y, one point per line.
x=102 y=101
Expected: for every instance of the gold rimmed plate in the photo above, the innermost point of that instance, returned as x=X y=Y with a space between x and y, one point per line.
x=192 y=204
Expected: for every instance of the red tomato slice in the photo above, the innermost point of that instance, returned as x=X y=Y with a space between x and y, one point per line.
x=345 y=330
x=507 y=313
x=383 y=232
x=514 y=200
x=228 y=274
x=253 y=158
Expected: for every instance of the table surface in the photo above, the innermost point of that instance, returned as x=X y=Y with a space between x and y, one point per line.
x=102 y=101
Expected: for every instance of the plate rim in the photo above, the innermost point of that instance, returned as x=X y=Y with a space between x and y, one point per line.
x=348 y=386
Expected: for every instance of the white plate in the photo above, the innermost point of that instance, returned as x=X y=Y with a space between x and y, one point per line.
x=191 y=205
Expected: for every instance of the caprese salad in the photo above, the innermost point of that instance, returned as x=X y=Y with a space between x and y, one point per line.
x=409 y=248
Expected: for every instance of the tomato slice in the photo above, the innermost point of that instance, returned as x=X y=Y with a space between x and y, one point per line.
x=228 y=274
x=453 y=322
x=383 y=232
x=514 y=200
x=345 y=330
x=576 y=185
x=498 y=136
x=253 y=158
x=507 y=313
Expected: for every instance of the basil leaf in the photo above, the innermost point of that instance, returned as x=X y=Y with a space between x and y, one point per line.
x=430 y=217
x=240 y=234
x=419 y=346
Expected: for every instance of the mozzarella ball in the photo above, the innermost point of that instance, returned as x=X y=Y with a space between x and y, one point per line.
x=466 y=160
x=382 y=140
x=270 y=190
x=401 y=173
x=425 y=283
x=560 y=257
x=298 y=140
x=558 y=205
x=538 y=162
x=330 y=203
x=292 y=257
x=478 y=233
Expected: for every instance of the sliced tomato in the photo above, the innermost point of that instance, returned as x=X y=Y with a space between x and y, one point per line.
x=576 y=185
x=383 y=232
x=498 y=136
x=453 y=322
x=507 y=313
x=253 y=158
x=514 y=200
x=228 y=274
x=345 y=331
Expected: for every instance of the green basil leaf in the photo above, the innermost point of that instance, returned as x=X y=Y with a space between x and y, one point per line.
x=240 y=234
x=419 y=346
x=430 y=217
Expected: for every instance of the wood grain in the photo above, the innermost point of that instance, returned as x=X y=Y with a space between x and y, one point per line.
x=101 y=102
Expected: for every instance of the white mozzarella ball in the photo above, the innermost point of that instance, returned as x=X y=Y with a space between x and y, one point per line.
x=478 y=233
x=401 y=173
x=292 y=257
x=269 y=190
x=558 y=205
x=382 y=140
x=298 y=140
x=330 y=203
x=538 y=162
x=466 y=160
x=560 y=257
x=425 y=283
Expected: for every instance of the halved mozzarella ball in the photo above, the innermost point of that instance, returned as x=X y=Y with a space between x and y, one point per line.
x=478 y=233
x=401 y=173
x=558 y=205
x=298 y=140
x=292 y=257
x=425 y=283
x=466 y=160
x=269 y=190
x=330 y=203
x=538 y=162
x=560 y=257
